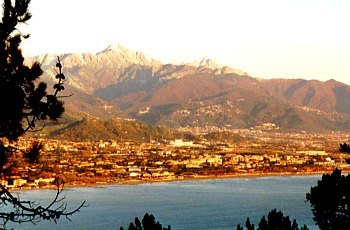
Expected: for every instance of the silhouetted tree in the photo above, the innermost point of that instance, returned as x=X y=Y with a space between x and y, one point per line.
x=330 y=201
x=148 y=223
x=249 y=225
x=345 y=148
x=23 y=101
x=263 y=223
x=275 y=221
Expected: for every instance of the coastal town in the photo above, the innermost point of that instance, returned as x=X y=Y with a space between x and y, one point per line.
x=107 y=162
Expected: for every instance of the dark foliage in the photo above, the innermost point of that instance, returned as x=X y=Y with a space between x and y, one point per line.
x=344 y=148
x=148 y=223
x=23 y=98
x=275 y=221
x=95 y=130
x=23 y=102
x=330 y=201
x=32 y=155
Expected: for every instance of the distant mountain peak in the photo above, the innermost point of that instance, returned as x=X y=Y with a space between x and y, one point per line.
x=114 y=47
x=203 y=62
x=207 y=62
x=211 y=64
x=128 y=55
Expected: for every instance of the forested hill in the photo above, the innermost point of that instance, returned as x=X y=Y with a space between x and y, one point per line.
x=118 y=130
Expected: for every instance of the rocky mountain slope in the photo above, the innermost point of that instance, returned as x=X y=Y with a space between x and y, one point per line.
x=119 y=82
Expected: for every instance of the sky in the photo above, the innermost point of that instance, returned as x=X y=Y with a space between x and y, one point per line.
x=307 y=39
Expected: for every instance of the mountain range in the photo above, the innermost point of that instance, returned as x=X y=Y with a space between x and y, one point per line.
x=201 y=95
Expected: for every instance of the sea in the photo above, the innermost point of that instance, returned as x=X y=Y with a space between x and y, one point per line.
x=211 y=204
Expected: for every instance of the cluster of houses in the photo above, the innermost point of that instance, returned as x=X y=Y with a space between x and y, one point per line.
x=19 y=182
x=109 y=161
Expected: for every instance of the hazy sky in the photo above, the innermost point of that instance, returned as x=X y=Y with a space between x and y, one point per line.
x=307 y=39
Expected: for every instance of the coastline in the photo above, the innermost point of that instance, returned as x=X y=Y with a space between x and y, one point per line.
x=180 y=178
x=192 y=177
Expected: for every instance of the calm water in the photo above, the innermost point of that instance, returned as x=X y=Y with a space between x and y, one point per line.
x=203 y=205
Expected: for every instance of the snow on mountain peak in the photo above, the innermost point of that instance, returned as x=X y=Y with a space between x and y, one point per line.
x=129 y=55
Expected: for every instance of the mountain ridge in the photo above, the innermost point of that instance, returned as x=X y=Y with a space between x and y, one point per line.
x=121 y=82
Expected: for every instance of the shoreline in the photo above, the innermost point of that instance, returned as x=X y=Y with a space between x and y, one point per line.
x=186 y=178
x=180 y=178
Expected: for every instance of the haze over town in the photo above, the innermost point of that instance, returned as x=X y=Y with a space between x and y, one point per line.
x=267 y=39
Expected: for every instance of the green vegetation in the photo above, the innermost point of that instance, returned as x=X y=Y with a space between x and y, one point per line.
x=275 y=221
x=24 y=101
x=148 y=223
x=132 y=130
x=224 y=136
x=330 y=202
x=23 y=97
x=122 y=130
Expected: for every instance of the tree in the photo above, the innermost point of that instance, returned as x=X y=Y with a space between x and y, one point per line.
x=24 y=101
x=148 y=223
x=330 y=201
x=275 y=221
x=345 y=148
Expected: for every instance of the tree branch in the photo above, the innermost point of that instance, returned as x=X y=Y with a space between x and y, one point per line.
x=27 y=211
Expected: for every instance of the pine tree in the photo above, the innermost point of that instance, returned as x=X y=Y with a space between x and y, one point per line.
x=148 y=223
x=23 y=102
x=275 y=221
x=23 y=97
x=330 y=201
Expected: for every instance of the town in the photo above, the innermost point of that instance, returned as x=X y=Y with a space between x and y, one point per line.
x=107 y=162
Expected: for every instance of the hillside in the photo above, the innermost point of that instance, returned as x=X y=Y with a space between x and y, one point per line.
x=120 y=83
x=329 y=96
x=120 y=130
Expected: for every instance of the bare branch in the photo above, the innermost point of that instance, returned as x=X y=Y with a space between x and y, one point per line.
x=28 y=211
